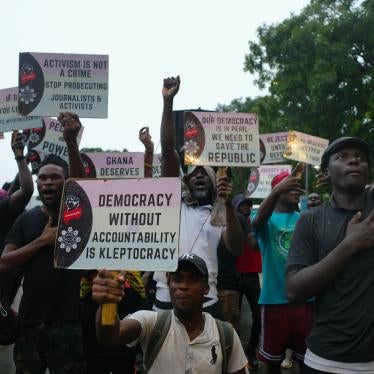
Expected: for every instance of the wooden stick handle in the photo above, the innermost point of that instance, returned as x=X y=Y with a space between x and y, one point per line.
x=222 y=171
x=218 y=215
x=109 y=310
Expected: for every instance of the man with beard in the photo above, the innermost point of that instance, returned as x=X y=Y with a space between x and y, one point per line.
x=50 y=335
x=332 y=258
x=282 y=325
x=197 y=234
x=191 y=341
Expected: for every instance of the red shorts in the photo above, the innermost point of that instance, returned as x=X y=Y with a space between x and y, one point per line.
x=282 y=327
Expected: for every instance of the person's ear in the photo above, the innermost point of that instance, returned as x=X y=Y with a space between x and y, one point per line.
x=206 y=291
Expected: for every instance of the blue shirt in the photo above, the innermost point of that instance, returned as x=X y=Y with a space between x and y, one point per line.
x=274 y=240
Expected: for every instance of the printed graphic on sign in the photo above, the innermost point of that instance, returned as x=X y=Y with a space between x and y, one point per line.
x=76 y=223
x=305 y=148
x=9 y=117
x=119 y=224
x=259 y=183
x=221 y=139
x=114 y=164
x=50 y=83
x=47 y=139
x=272 y=147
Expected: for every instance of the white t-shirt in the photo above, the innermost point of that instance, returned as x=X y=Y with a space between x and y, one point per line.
x=180 y=355
x=319 y=363
x=197 y=236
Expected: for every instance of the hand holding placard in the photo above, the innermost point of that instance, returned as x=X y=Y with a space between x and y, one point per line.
x=107 y=291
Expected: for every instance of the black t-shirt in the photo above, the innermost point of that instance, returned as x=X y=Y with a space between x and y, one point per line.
x=9 y=280
x=344 y=316
x=228 y=276
x=6 y=220
x=49 y=294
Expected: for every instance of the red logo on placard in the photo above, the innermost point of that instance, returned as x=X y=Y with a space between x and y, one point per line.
x=27 y=77
x=191 y=133
x=69 y=215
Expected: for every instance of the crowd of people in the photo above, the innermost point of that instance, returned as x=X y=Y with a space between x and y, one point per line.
x=307 y=277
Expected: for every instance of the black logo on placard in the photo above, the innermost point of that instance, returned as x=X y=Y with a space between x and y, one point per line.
x=194 y=137
x=262 y=151
x=30 y=84
x=75 y=225
x=253 y=180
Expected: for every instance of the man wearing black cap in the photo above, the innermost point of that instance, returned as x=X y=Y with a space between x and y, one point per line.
x=332 y=258
x=192 y=343
x=249 y=266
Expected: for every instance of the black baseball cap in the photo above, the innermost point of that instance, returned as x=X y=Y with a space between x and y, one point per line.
x=340 y=143
x=241 y=198
x=195 y=260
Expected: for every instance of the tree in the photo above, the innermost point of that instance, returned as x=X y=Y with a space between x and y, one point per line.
x=318 y=67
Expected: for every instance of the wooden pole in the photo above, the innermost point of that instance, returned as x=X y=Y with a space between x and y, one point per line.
x=109 y=310
x=218 y=215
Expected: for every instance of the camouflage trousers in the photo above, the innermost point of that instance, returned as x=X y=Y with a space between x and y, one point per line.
x=56 y=346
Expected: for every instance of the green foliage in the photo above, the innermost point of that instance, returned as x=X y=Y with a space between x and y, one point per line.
x=91 y=150
x=318 y=67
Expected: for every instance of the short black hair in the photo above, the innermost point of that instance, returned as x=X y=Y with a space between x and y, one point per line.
x=55 y=160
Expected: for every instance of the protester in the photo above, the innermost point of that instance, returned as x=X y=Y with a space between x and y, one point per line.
x=197 y=234
x=50 y=333
x=282 y=325
x=11 y=206
x=249 y=266
x=332 y=258
x=314 y=199
x=146 y=138
x=228 y=280
x=191 y=342
x=110 y=359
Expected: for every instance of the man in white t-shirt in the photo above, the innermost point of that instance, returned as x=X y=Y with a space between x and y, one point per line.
x=197 y=234
x=192 y=343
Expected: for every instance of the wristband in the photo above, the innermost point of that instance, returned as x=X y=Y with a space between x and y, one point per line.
x=149 y=165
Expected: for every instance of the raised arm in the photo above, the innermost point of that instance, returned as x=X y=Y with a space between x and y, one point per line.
x=312 y=280
x=170 y=159
x=13 y=256
x=105 y=289
x=233 y=235
x=146 y=138
x=268 y=205
x=19 y=199
x=72 y=126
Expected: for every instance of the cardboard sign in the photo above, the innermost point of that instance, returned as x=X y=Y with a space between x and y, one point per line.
x=305 y=148
x=114 y=164
x=259 y=183
x=156 y=166
x=46 y=140
x=50 y=83
x=9 y=117
x=221 y=139
x=272 y=147
x=119 y=224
